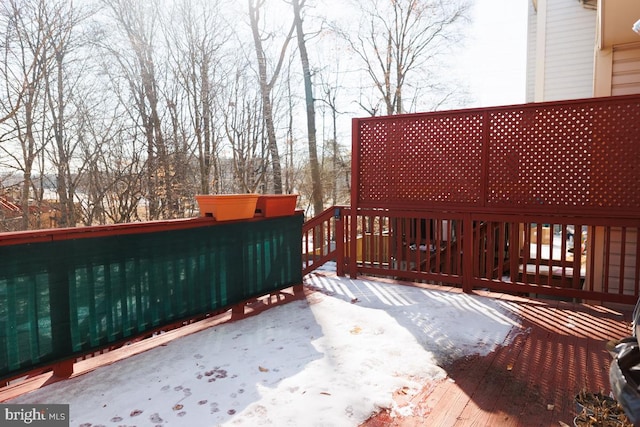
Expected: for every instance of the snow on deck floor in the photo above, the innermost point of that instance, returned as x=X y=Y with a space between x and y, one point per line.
x=331 y=360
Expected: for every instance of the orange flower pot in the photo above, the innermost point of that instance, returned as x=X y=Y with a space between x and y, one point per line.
x=227 y=207
x=270 y=205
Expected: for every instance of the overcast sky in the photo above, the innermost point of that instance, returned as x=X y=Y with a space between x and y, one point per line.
x=494 y=62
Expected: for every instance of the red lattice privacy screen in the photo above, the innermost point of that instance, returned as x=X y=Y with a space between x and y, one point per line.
x=567 y=155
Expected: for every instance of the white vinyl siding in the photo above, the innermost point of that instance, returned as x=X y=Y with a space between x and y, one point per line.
x=569 y=49
x=531 y=53
x=615 y=258
x=625 y=79
x=561 y=49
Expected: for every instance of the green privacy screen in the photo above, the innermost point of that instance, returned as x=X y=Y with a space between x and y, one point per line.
x=61 y=298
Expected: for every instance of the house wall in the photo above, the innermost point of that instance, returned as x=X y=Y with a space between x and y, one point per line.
x=563 y=33
x=611 y=271
x=617 y=56
x=625 y=72
x=568 y=58
x=532 y=22
x=617 y=72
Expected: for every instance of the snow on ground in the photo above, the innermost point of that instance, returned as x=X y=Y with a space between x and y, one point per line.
x=331 y=360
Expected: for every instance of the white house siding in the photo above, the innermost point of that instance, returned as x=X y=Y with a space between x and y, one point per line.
x=615 y=257
x=625 y=79
x=531 y=52
x=570 y=43
x=561 y=40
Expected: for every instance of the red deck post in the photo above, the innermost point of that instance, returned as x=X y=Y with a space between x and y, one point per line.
x=63 y=369
x=340 y=247
x=468 y=255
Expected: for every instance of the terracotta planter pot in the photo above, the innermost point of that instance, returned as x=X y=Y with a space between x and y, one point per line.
x=227 y=207
x=270 y=205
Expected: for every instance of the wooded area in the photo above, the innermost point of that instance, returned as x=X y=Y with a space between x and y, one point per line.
x=116 y=111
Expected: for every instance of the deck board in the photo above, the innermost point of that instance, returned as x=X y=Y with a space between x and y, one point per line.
x=532 y=381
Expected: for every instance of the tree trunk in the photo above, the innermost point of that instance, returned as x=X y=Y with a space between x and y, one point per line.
x=66 y=206
x=265 y=91
x=317 y=196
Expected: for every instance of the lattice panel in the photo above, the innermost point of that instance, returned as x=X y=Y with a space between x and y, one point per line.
x=615 y=182
x=375 y=165
x=539 y=157
x=571 y=154
x=417 y=159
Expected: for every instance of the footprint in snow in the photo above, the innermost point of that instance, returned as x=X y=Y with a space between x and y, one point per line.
x=261 y=410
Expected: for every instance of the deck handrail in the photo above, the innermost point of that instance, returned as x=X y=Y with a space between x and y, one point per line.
x=562 y=163
x=69 y=292
x=507 y=168
x=323 y=239
x=523 y=254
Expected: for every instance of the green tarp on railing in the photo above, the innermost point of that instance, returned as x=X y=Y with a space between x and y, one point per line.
x=68 y=297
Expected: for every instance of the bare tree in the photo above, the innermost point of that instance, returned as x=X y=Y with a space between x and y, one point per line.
x=138 y=22
x=196 y=36
x=317 y=194
x=110 y=177
x=330 y=100
x=291 y=172
x=61 y=85
x=22 y=61
x=399 y=37
x=267 y=84
x=161 y=106
x=245 y=130
x=25 y=62
x=121 y=186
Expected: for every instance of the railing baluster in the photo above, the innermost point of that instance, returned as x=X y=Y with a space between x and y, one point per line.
x=623 y=253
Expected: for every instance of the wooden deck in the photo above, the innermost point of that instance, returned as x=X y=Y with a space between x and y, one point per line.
x=532 y=381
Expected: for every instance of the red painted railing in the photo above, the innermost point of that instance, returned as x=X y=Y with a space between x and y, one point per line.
x=323 y=239
x=539 y=199
x=67 y=293
x=586 y=258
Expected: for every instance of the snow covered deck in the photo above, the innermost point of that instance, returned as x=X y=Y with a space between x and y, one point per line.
x=350 y=349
